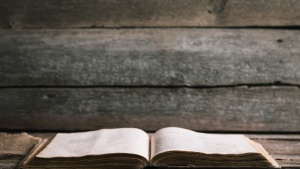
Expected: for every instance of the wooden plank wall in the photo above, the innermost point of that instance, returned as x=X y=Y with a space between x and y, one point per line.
x=218 y=65
x=147 y=13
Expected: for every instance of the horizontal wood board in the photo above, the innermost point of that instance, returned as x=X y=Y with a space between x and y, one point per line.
x=147 y=13
x=258 y=109
x=274 y=144
x=149 y=57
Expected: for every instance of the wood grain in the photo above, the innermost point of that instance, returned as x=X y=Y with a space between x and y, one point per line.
x=148 y=13
x=149 y=57
x=271 y=109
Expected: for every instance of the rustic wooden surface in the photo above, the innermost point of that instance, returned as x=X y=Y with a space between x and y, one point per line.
x=284 y=148
x=149 y=57
x=265 y=109
x=85 y=79
x=147 y=13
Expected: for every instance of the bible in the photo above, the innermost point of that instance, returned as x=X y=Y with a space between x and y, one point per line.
x=131 y=148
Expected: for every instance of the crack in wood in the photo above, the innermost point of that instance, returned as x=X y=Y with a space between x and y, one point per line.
x=275 y=84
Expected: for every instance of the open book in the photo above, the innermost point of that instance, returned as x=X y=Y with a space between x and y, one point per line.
x=131 y=148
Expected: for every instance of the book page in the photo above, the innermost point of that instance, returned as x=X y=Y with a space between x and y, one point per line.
x=105 y=141
x=178 y=139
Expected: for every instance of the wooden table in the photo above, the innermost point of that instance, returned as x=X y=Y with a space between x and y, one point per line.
x=285 y=148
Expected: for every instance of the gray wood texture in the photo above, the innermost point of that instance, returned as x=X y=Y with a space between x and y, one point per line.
x=147 y=13
x=284 y=148
x=149 y=57
x=265 y=109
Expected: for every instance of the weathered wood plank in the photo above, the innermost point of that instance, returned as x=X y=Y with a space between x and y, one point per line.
x=275 y=136
x=292 y=151
x=149 y=57
x=14 y=148
x=222 y=109
x=147 y=13
x=285 y=149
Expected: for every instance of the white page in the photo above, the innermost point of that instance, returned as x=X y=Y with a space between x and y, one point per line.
x=178 y=139
x=105 y=141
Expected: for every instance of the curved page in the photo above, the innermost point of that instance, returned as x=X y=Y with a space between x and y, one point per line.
x=178 y=139
x=105 y=141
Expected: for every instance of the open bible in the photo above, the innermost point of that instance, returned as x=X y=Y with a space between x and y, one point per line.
x=131 y=148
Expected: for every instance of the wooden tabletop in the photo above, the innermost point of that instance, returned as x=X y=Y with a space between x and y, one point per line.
x=285 y=148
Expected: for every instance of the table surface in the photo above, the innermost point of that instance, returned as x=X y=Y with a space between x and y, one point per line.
x=285 y=148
